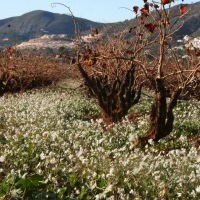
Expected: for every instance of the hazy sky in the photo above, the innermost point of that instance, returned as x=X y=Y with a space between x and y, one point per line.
x=95 y=10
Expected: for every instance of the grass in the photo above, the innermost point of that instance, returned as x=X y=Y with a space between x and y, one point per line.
x=52 y=147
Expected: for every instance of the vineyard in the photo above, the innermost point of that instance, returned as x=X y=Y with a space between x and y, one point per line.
x=118 y=120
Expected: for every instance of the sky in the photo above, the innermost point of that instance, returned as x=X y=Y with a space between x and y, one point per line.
x=96 y=10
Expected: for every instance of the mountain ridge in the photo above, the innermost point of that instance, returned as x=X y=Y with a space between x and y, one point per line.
x=37 y=23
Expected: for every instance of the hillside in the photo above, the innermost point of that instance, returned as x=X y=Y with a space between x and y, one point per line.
x=37 y=23
x=53 y=41
x=190 y=22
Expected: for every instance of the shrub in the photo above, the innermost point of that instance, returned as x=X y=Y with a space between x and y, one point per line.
x=19 y=72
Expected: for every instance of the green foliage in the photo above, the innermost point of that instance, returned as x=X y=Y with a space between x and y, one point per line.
x=31 y=181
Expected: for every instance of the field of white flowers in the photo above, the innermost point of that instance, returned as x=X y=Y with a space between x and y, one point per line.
x=53 y=147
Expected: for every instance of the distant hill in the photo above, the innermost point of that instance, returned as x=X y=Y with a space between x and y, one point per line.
x=191 y=22
x=37 y=23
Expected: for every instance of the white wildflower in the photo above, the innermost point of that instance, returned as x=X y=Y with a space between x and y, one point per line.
x=71 y=170
x=51 y=154
x=120 y=190
x=45 y=134
x=131 y=191
x=94 y=175
x=157 y=177
x=111 y=172
x=16 y=193
x=24 y=175
x=193 y=152
x=132 y=138
x=39 y=171
x=54 y=135
x=193 y=194
x=162 y=184
x=198 y=158
x=100 y=196
x=38 y=137
x=179 y=194
x=42 y=156
x=85 y=161
x=99 y=121
x=151 y=142
x=198 y=189
x=177 y=152
x=101 y=140
x=77 y=191
x=80 y=153
x=45 y=181
x=183 y=138
x=71 y=156
x=108 y=189
x=53 y=161
x=2 y=159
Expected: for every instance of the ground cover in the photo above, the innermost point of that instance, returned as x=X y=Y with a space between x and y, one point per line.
x=54 y=145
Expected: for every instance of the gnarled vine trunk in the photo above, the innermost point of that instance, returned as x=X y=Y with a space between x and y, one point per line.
x=115 y=97
x=161 y=114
